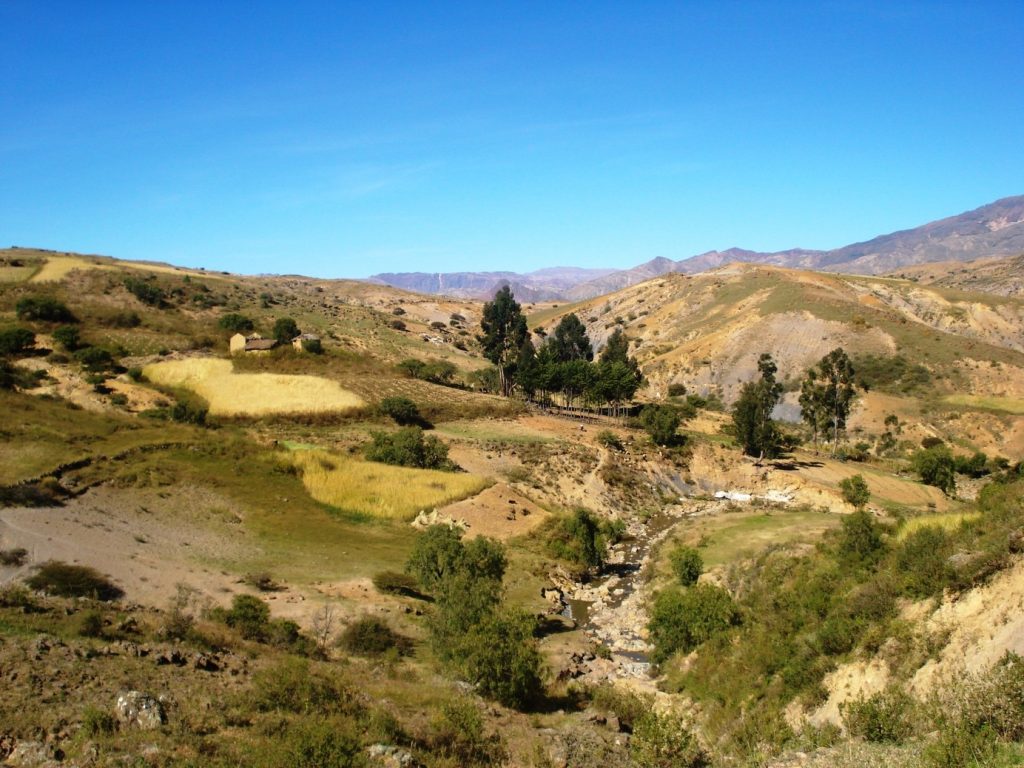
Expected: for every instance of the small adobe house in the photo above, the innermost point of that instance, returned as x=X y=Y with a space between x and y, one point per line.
x=251 y=343
x=300 y=341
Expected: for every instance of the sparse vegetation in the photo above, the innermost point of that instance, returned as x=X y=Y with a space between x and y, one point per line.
x=66 y=580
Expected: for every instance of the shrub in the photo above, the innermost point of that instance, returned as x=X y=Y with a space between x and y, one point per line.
x=250 y=616
x=401 y=409
x=13 y=558
x=676 y=390
x=394 y=583
x=261 y=580
x=661 y=423
x=90 y=624
x=16 y=341
x=936 y=466
x=882 y=718
x=411 y=367
x=973 y=466
x=683 y=619
x=285 y=329
x=922 y=559
x=609 y=440
x=409 y=447
x=317 y=744
x=577 y=538
x=290 y=686
x=398 y=325
x=188 y=413
x=502 y=658
x=860 y=540
x=43 y=308
x=664 y=741
x=687 y=565
x=371 y=636
x=855 y=491
x=96 y=722
x=313 y=346
x=68 y=336
x=235 y=323
x=458 y=734
x=145 y=291
x=95 y=359
x=439 y=555
x=65 y=580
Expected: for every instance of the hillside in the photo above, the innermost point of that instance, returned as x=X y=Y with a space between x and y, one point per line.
x=256 y=525
x=998 y=276
x=996 y=229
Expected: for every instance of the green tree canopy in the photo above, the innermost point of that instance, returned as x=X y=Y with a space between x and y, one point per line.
x=285 y=329
x=570 y=341
x=504 y=331
x=752 y=414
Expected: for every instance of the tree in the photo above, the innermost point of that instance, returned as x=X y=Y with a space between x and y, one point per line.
x=838 y=390
x=860 y=540
x=236 y=323
x=502 y=658
x=504 y=330
x=855 y=491
x=812 y=408
x=528 y=369
x=618 y=374
x=16 y=341
x=578 y=538
x=285 y=329
x=683 y=619
x=401 y=409
x=752 y=414
x=570 y=341
x=661 y=423
x=43 y=308
x=936 y=466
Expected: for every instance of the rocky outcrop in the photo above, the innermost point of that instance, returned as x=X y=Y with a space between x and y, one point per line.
x=135 y=709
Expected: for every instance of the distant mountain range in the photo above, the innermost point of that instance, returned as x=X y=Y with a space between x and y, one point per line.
x=996 y=229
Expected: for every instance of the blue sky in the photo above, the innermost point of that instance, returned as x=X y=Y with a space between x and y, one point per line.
x=340 y=140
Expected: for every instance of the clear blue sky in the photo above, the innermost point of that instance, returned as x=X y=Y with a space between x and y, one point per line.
x=344 y=139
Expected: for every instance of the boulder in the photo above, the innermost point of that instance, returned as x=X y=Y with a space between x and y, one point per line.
x=135 y=709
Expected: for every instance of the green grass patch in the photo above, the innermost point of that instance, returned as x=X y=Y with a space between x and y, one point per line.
x=493 y=431
x=1014 y=405
x=947 y=522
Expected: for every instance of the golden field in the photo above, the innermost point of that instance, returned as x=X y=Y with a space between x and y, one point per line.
x=381 y=490
x=252 y=394
x=946 y=522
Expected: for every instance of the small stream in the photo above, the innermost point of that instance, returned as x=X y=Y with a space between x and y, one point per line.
x=609 y=609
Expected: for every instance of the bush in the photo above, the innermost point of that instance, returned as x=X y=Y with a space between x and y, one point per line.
x=96 y=722
x=860 y=540
x=687 y=565
x=65 y=580
x=188 y=413
x=290 y=686
x=922 y=559
x=13 y=558
x=409 y=447
x=401 y=409
x=458 y=734
x=317 y=744
x=371 y=636
x=577 y=538
x=882 y=718
x=664 y=741
x=936 y=467
x=43 y=308
x=285 y=329
x=502 y=658
x=683 y=619
x=235 y=323
x=439 y=555
x=661 y=423
x=16 y=341
x=609 y=440
x=398 y=325
x=95 y=359
x=855 y=491
x=676 y=390
x=68 y=336
x=250 y=616
x=394 y=583
x=90 y=624
x=145 y=291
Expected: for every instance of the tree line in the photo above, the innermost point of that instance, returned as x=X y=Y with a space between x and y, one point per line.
x=564 y=364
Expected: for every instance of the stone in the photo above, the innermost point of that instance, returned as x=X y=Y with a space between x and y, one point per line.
x=33 y=754
x=135 y=709
x=390 y=756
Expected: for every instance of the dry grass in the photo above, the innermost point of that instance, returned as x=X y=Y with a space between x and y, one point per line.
x=252 y=394
x=59 y=267
x=382 y=490
x=1013 y=405
x=16 y=274
x=946 y=522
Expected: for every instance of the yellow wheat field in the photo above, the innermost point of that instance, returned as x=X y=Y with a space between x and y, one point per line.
x=252 y=394
x=947 y=522
x=1008 y=404
x=59 y=267
x=396 y=493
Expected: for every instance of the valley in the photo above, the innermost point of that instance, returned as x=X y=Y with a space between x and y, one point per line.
x=541 y=579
